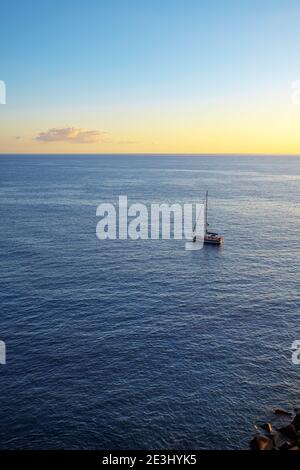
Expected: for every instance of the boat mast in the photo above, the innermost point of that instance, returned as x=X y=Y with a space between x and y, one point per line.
x=206 y=209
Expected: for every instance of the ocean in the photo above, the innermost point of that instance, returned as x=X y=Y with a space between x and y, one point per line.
x=122 y=344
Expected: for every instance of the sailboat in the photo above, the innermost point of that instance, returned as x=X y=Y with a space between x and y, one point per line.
x=210 y=238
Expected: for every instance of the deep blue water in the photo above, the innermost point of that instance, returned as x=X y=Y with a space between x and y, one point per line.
x=141 y=344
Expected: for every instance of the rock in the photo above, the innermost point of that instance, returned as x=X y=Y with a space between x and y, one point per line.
x=267 y=427
x=281 y=412
x=286 y=446
x=280 y=441
x=296 y=421
x=287 y=437
x=289 y=431
x=261 y=443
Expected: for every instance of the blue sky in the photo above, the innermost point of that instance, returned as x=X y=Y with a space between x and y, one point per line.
x=80 y=55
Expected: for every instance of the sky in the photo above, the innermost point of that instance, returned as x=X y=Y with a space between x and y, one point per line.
x=150 y=76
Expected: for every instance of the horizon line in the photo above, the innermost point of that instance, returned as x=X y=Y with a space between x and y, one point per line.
x=181 y=154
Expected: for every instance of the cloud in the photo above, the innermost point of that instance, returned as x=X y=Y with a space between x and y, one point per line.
x=70 y=134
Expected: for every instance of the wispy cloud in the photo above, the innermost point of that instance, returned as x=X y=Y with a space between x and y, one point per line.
x=71 y=134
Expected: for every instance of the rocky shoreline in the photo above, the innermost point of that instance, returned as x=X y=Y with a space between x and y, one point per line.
x=282 y=434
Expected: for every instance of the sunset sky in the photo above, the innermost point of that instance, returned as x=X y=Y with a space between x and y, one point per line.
x=151 y=76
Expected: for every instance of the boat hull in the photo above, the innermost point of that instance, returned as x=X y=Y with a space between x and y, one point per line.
x=213 y=240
